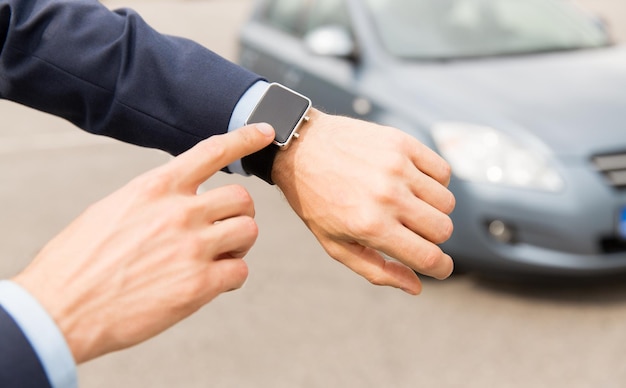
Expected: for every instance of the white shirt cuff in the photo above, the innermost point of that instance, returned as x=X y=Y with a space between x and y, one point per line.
x=242 y=110
x=42 y=333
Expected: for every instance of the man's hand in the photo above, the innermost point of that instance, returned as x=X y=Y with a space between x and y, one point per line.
x=363 y=189
x=151 y=253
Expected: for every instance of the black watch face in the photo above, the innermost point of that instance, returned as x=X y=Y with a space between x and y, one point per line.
x=283 y=108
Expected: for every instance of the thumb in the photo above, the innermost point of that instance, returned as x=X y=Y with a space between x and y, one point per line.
x=211 y=155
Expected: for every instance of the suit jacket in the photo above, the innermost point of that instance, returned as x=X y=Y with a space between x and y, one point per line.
x=19 y=365
x=110 y=74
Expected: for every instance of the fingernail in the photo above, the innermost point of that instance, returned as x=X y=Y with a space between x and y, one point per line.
x=265 y=129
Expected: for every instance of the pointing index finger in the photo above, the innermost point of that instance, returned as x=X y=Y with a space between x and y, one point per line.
x=211 y=155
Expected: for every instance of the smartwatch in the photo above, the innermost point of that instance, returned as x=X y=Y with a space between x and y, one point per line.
x=286 y=111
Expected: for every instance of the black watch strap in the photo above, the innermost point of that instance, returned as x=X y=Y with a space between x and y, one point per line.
x=261 y=162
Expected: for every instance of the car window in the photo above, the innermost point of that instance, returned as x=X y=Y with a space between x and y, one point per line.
x=327 y=13
x=449 y=29
x=286 y=15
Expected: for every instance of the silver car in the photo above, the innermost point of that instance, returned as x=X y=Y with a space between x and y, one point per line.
x=525 y=99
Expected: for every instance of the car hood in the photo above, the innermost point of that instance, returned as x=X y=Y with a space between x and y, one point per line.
x=574 y=102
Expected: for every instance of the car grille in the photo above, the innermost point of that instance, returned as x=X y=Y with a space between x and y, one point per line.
x=613 y=167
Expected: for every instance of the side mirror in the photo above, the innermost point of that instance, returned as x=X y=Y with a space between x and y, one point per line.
x=330 y=41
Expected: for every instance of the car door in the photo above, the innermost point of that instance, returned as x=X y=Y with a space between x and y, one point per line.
x=270 y=40
x=274 y=46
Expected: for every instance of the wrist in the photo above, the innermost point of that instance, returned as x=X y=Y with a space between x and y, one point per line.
x=80 y=335
x=41 y=332
x=286 y=160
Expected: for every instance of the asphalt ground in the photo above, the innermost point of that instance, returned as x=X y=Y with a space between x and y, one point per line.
x=303 y=320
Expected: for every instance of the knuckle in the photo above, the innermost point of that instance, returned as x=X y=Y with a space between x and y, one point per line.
x=376 y=279
x=236 y=277
x=151 y=190
x=240 y=271
x=247 y=233
x=385 y=194
x=333 y=251
x=395 y=164
x=214 y=148
x=180 y=218
x=194 y=247
x=446 y=170
x=242 y=196
x=366 y=225
x=246 y=136
x=444 y=232
x=430 y=259
x=192 y=290
x=154 y=184
x=450 y=203
x=248 y=229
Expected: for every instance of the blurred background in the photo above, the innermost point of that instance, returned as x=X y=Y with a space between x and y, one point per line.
x=303 y=320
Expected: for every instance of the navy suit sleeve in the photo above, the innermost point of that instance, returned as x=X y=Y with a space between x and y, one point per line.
x=19 y=365
x=112 y=74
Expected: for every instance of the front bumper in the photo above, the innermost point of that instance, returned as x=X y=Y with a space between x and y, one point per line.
x=573 y=232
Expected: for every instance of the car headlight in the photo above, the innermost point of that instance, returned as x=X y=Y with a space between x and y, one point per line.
x=483 y=154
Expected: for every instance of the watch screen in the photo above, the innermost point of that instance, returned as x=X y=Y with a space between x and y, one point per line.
x=283 y=109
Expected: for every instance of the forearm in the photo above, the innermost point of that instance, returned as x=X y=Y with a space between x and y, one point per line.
x=111 y=74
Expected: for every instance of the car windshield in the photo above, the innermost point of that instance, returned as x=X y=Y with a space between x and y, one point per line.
x=454 y=29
